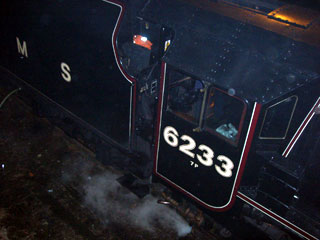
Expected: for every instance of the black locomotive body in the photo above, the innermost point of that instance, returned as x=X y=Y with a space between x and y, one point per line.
x=219 y=100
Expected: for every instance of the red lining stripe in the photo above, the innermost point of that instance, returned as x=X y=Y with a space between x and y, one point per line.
x=301 y=128
x=128 y=77
x=276 y=217
x=254 y=121
x=159 y=115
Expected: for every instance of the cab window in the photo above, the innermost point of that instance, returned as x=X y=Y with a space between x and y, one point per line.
x=185 y=96
x=224 y=115
x=277 y=119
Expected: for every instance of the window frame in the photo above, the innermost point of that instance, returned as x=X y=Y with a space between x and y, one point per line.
x=243 y=114
x=200 y=125
x=183 y=116
x=289 y=122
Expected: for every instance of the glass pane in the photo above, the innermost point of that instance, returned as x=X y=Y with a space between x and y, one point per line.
x=185 y=96
x=277 y=119
x=224 y=114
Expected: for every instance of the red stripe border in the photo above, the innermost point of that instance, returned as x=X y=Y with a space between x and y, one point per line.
x=300 y=130
x=276 y=217
x=127 y=76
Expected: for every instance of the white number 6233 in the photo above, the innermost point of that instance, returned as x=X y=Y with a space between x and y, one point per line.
x=171 y=135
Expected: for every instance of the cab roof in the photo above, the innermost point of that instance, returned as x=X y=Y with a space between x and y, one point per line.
x=258 y=56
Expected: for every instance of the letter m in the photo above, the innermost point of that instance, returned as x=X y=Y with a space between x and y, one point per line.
x=22 y=49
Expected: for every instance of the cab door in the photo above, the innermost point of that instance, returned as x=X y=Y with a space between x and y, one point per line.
x=203 y=138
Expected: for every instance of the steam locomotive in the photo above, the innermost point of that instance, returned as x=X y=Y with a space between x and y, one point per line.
x=218 y=100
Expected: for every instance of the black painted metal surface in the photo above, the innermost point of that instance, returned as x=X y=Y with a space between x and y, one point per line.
x=66 y=53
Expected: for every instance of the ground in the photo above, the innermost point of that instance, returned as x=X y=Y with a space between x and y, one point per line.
x=52 y=187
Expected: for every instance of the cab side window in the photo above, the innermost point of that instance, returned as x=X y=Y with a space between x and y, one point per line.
x=185 y=96
x=277 y=119
x=224 y=115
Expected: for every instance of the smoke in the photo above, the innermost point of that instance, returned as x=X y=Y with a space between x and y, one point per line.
x=150 y=211
x=114 y=203
x=107 y=197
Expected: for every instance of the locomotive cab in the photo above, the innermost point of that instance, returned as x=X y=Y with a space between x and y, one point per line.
x=203 y=138
x=208 y=138
x=225 y=131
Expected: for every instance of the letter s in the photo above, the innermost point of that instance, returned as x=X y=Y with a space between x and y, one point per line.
x=65 y=72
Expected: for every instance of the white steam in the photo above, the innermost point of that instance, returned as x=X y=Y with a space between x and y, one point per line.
x=114 y=203
x=150 y=211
